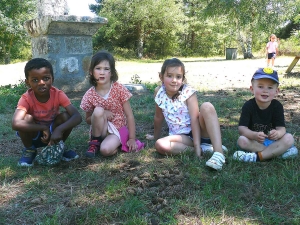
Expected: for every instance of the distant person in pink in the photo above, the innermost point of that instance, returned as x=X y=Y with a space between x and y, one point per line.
x=272 y=49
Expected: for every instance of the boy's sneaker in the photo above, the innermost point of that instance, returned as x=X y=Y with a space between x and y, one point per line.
x=94 y=147
x=208 y=148
x=69 y=155
x=245 y=156
x=290 y=153
x=28 y=157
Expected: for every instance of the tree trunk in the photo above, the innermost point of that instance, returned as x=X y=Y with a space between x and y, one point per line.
x=140 y=48
x=192 y=39
x=140 y=41
x=249 y=47
x=7 y=59
x=241 y=43
x=6 y=56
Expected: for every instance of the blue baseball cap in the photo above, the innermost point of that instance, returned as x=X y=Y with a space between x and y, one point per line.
x=266 y=73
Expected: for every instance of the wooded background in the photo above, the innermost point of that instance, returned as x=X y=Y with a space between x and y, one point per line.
x=159 y=28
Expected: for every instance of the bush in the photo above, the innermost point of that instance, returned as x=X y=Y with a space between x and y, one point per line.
x=290 y=46
x=9 y=96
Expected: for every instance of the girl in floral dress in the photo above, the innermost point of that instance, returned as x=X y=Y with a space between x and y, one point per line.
x=107 y=108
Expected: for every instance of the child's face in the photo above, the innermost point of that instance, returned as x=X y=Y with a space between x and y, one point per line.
x=273 y=38
x=172 y=79
x=264 y=90
x=101 y=72
x=40 y=81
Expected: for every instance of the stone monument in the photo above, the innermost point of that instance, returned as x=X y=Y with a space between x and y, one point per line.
x=65 y=40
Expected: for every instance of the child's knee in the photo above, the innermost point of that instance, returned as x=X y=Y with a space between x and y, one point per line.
x=243 y=142
x=288 y=140
x=61 y=118
x=65 y=116
x=98 y=112
x=107 y=152
x=207 y=108
x=160 y=147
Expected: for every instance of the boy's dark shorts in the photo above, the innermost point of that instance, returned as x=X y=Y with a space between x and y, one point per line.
x=37 y=142
x=271 y=55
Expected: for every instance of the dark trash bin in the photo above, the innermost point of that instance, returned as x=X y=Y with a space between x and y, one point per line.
x=231 y=53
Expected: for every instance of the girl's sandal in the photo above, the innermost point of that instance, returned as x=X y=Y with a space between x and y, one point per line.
x=216 y=161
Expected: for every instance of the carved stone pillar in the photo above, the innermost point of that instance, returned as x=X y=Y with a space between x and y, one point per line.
x=66 y=41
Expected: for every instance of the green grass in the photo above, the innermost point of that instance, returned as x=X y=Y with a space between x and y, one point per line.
x=147 y=188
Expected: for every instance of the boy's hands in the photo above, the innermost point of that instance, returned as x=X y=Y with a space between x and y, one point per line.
x=273 y=135
x=56 y=136
x=260 y=137
x=46 y=136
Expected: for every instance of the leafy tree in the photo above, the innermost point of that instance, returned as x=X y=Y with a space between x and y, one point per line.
x=293 y=25
x=202 y=36
x=148 y=27
x=13 y=13
x=251 y=18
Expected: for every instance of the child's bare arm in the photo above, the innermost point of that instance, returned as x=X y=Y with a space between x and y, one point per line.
x=193 y=107
x=131 y=126
x=74 y=120
x=252 y=135
x=21 y=123
x=277 y=134
x=88 y=117
x=158 y=120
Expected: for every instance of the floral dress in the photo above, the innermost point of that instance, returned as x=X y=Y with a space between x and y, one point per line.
x=175 y=111
x=114 y=102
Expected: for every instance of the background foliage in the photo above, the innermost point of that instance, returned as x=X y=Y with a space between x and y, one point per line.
x=160 y=28
x=14 y=43
x=198 y=28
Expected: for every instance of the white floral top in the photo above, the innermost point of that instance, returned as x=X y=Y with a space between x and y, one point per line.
x=176 y=112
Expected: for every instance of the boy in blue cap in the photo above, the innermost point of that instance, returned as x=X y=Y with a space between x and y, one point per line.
x=262 y=126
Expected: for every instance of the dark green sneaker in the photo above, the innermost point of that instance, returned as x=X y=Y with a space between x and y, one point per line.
x=28 y=156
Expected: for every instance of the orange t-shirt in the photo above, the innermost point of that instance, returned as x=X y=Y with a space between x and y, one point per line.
x=43 y=113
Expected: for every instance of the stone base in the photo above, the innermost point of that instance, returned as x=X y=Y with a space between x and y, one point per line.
x=64 y=25
x=136 y=88
x=66 y=41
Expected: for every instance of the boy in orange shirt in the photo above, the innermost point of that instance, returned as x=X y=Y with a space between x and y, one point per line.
x=37 y=119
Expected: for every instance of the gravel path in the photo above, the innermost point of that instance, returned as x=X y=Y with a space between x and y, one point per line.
x=210 y=74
